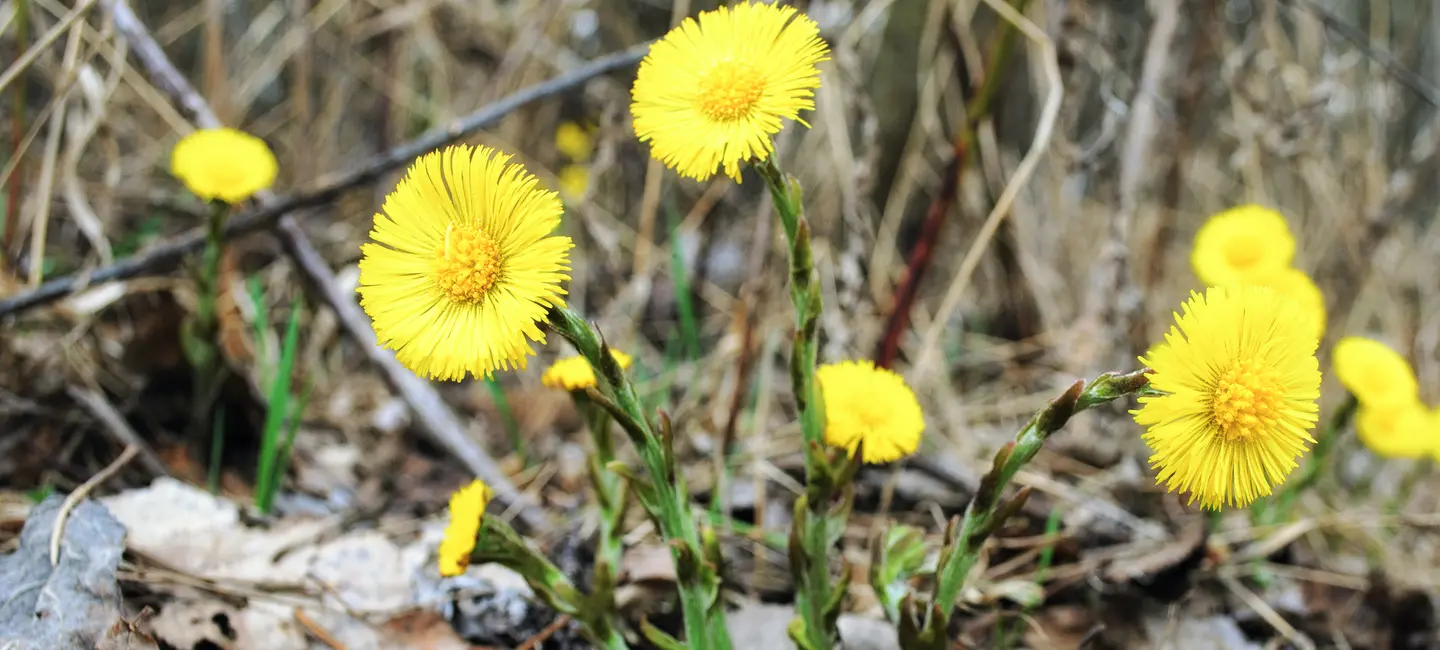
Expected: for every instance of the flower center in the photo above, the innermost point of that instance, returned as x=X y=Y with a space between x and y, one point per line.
x=730 y=90
x=1247 y=400
x=1244 y=251
x=467 y=264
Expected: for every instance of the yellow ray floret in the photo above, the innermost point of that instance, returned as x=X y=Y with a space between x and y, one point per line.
x=713 y=91
x=223 y=164
x=467 y=512
x=865 y=403
x=1241 y=245
x=462 y=267
x=1241 y=382
x=1378 y=376
x=575 y=373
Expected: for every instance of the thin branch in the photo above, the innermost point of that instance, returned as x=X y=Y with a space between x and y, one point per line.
x=164 y=256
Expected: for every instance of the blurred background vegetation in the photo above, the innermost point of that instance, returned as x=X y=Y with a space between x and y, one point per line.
x=1171 y=111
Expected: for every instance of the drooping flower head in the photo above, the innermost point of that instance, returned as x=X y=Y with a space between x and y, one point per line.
x=1378 y=376
x=1404 y=430
x=575 y=373
x=463 y=267
x=863 y=402
x=1240 y=245
x=223 y=164
x=1241 y=380
x=714 y=90
x=1295 y=285
x=467 y=512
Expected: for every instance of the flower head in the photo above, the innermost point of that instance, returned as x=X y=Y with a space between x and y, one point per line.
x=575 y=373
x=1405 y=430
x=1295 y=285
x=223 y=164
x=574 y=180
x=1240 y=245
x=873 y=405
x=573 y=140
x=1241 y=380
x=1378 y=376
x=713 y=91
x=467 y=512
x=463 y=268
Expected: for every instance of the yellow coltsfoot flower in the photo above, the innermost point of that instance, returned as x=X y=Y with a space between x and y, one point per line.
x=1378 y=376
x=870 y=404
x=463 y=267
x=1405 y=430
x=1241 y=382
x=714 y=90
x=223 y=164
x=1241 y=245
x=575 y=373
x=1296 y=286
x=467 y=513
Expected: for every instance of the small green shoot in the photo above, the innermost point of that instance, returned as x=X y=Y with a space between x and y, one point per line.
x=270 y=472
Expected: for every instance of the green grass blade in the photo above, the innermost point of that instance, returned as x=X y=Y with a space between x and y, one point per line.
x=266 y=480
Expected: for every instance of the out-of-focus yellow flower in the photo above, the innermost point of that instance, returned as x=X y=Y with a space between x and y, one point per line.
x=1295 y=285
x=223 y=164
x=463 y=268
x=1242 y=245
x=870 y=404
x=714 y=90
x=574 y=141
x=1241 y=382
x=574 y=180
x=467 y=512
x=575 y=373
x=1405 y=430
x=1378 y=376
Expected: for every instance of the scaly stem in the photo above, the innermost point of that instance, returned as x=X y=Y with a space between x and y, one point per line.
x=817 y=599
x=499 y=543
x=988 y=510
x=202 y=329
x=664 y=495
x=609 y=497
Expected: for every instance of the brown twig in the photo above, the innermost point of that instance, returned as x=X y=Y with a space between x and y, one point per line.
x=898 y=321
x=105 y=412
x=549 y=631
x=74 y=498
x=314 y=629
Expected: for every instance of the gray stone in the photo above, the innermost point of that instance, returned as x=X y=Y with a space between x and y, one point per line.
x=73 y=604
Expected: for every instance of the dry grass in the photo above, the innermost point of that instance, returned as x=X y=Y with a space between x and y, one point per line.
x=1259 y=101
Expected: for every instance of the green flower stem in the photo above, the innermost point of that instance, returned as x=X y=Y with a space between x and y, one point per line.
x=202 y=329
x=818 y=518
x=499 y=543
x=663 y=493
x=609 y=496
x=987 y=510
